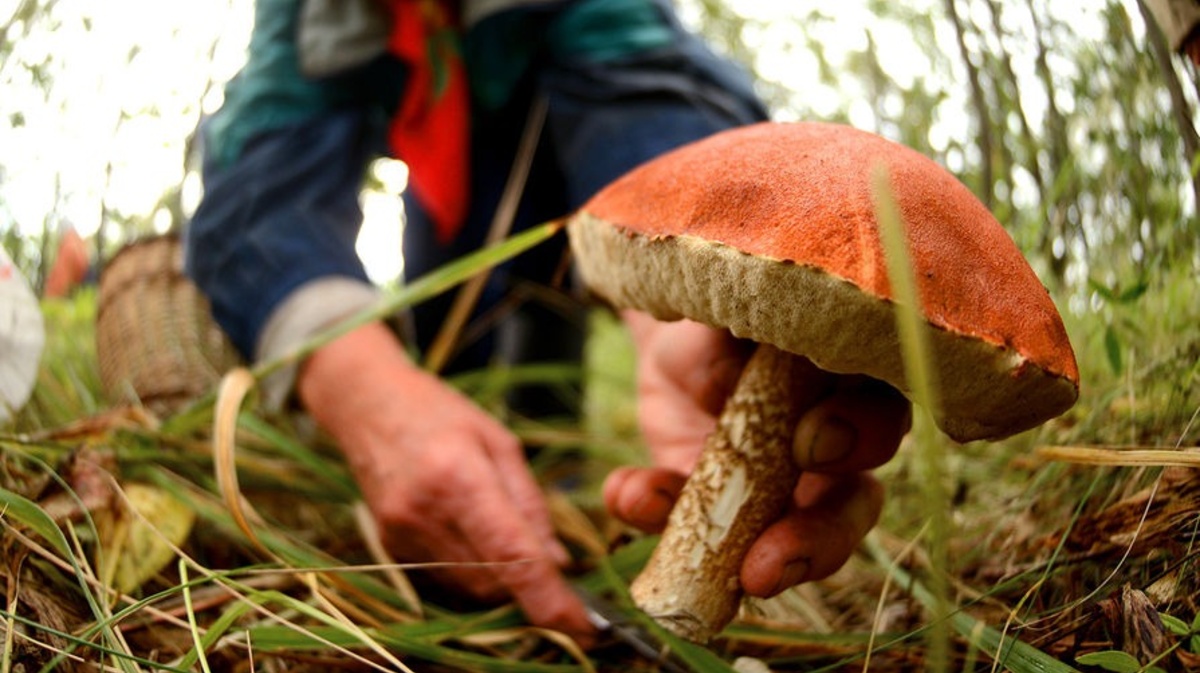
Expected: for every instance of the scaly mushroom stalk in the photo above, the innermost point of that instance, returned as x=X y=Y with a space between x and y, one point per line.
x=742 y=482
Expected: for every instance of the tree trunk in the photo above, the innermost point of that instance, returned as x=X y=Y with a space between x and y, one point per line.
x=979 y=101
x=1179 y=104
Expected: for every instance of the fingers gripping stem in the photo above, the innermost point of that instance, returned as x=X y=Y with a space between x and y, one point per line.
x=742 y=483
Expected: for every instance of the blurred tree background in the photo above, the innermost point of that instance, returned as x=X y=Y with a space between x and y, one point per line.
x=1071 y=120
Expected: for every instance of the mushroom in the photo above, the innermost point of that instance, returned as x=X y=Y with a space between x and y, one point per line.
x=770 y=231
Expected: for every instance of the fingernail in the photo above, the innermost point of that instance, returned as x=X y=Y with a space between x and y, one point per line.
x=793 y=574
x=830 y=441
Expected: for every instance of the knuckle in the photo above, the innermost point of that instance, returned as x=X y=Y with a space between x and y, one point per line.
x=397 y=511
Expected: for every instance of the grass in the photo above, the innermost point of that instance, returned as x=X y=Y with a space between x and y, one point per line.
x=1046 y=563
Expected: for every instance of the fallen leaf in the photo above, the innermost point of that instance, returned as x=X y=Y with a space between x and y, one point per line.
x=137 y=544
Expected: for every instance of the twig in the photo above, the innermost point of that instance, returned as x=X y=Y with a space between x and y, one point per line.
x=1121 y=456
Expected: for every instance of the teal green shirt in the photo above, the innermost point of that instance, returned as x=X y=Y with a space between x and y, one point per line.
x=500 y=48
x=270 y=91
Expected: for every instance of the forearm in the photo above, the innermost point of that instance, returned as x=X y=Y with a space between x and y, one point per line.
x=346 y=384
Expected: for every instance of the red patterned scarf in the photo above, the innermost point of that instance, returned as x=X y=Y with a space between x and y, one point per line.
x=431 y=129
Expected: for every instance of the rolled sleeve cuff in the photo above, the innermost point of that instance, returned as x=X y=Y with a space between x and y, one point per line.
x=309 y=309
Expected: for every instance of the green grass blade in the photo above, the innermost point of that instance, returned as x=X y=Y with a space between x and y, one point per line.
x=332 y=473
x=35 y=518
x=424 y=288
x=918 y=369
x=82 y=643
x=279 y=638
x=1013 y=654
x=191 y=618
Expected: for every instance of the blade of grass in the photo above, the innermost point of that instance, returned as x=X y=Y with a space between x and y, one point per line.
x=330 y=472
x=295 y=553
x=918 y=369
x=35 y=518
x=369 y=532
x=247 y=599
x=883 y=593
x=101 y=626
x=488 y=384
x=347 y=624
x=191 y=617
x=421 y=289
x=258 y=600
x=276 y=639
x=79 y=643
x=233 y=388
x=1013 y=654
x=11 y=609
x=111 y=635
x=215 y=631
x=502 y=219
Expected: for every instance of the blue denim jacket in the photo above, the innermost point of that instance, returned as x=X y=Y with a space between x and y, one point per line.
x=281 y=215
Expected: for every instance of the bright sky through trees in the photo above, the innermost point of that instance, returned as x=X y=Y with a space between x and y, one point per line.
x=99 y=98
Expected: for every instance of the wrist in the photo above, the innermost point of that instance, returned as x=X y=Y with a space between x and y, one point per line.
x=353 y=383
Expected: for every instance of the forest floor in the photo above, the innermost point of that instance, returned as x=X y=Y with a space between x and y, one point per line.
x=1071 y=547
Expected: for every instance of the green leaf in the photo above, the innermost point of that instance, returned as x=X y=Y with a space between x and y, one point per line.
x=139 y=545
x=1112 y=348
x=1195 y=641
x=1111 y=660
x=1175 y=625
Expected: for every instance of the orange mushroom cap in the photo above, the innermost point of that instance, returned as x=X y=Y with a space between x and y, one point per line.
x=770 y=231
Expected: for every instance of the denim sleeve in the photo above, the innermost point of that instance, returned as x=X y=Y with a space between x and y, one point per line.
x=284 y=213
x=608 y=116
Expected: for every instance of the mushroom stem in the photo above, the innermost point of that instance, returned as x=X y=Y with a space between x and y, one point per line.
x=742 y=483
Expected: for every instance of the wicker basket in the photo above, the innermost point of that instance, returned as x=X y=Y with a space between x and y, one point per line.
x=156 y=340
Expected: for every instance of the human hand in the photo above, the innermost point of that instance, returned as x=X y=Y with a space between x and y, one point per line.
x=445 y=481
x=685 y=372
